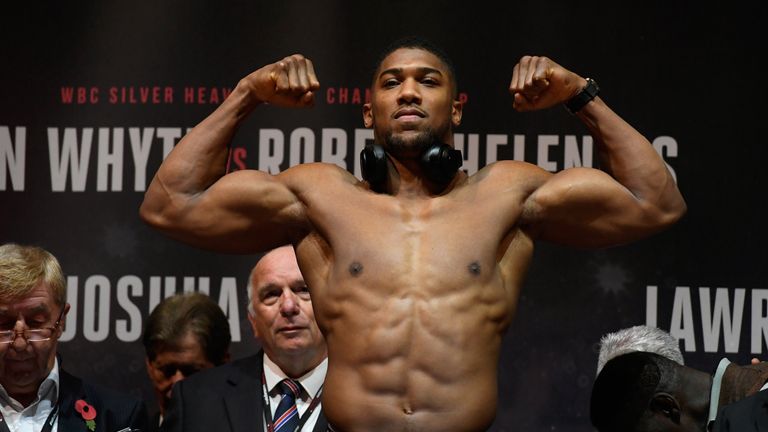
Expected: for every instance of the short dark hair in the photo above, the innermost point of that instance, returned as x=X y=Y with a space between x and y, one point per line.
x=421 y=43
x=624 y=388
x=177 y=315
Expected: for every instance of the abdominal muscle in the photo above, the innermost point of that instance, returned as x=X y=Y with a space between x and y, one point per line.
x=420 y=357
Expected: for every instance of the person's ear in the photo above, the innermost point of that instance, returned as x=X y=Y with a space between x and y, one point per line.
x=666 y=405
x=367 y=115
x=254 y=327
x=456 y=112
x=63 y=322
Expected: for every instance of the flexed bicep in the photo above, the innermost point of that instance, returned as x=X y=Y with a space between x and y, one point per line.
x=191 y=199
x=244 y=212
x=586 y=207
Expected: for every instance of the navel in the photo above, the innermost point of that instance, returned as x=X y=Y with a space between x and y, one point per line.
x=355 y=269
x=474 y=268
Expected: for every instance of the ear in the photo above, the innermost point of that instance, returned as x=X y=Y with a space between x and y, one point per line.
x=150 y=368
x=63 y=323
x=252 y=320
x=666 y=405
x=456 y=112
x=367 y=115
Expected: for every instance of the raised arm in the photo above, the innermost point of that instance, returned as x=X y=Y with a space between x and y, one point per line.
x=192 y=200
x=633 y=196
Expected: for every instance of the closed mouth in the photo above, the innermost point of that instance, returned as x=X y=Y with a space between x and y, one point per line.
x=410 y=111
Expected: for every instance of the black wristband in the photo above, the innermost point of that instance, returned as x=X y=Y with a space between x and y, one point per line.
x=589 y=92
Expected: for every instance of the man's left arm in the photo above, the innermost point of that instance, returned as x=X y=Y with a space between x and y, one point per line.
x=632 y=197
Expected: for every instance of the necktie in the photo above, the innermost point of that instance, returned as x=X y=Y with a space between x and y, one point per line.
x=286 y=414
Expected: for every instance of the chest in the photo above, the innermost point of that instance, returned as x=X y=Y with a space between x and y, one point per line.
x=456 y=237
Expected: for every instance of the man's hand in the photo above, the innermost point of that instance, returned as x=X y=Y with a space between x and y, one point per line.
x=538 y=83
x=291 y=82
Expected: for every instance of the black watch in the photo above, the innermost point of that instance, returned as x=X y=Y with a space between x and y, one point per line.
x=589 y=92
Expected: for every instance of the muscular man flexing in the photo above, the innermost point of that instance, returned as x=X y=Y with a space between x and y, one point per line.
x=415 y=279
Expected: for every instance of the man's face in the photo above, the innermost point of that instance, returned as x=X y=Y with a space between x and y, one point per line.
x=283 y=319
x=412 y=97
x=23 y=364
x=171 y=366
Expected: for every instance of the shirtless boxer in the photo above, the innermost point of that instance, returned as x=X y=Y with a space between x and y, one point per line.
x=412 y=287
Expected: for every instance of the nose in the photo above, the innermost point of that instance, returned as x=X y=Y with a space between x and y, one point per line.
x=19 y=346
x=409 y=92
x=19 y=336
x=289 y=304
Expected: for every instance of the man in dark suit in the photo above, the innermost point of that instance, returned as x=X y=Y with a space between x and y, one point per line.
x=245 y=395
x=743 y=398
x=35 y=392
x=183 y=335
x=747 y=415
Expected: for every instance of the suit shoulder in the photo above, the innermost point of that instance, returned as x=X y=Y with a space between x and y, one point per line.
x=248 y=368
x=111 y=396
x=737 y=415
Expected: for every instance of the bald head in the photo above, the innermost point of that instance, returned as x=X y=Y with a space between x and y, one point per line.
x=278 y=261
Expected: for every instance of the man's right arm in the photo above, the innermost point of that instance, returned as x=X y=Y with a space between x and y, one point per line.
x=192 y=200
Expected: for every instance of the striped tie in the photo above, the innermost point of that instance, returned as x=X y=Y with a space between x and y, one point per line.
x=286 y=415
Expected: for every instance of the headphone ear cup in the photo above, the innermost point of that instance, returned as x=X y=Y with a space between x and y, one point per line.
x=441 y=162
x=373 y=164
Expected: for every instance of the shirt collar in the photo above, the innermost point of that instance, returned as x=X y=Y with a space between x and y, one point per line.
x=49 y=389
x=311 y=382
x=714 y=395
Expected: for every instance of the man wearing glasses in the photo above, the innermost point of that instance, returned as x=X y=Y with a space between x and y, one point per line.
x=35 y=393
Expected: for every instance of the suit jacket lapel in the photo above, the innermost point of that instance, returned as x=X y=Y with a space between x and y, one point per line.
x=244 y=403
x=70 y=390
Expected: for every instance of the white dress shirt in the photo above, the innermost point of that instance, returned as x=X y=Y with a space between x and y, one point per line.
x=32 y=418
x=310 y=383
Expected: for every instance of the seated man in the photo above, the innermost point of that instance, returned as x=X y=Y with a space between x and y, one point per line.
x=35 y=392
x=184 y=334
x=643 y=391
x=290 y=370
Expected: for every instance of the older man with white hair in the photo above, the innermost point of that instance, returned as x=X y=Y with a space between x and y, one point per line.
x=36 y=393
x=279 y=388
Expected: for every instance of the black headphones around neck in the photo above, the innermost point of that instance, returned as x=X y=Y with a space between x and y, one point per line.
x=440 y=162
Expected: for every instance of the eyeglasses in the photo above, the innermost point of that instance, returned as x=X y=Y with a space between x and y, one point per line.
x=31 y=335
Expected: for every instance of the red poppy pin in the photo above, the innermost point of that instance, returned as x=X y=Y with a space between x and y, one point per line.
x=87 y=412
